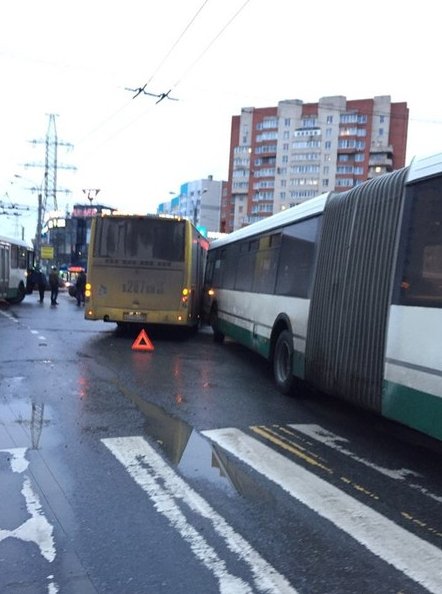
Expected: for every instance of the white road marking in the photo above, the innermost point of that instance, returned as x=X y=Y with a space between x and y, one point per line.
x=167 y=490
x=37 y=529
x=8 y=315
x=416 y=558
x=334 y=441
x=18 y=460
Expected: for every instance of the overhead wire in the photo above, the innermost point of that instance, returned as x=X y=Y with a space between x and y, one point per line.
x=188 y=69
x=217 y=36
x=155 y=72
x=184 y=31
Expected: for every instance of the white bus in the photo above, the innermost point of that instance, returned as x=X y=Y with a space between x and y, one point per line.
x=16 y=259
x=145 y=269
x=345 y=292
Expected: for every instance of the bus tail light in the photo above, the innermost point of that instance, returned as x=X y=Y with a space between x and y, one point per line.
x=211 y=292
x=185 y=293
x=88 y=290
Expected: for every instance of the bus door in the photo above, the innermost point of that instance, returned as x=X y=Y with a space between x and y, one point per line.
x=4 y=269
x=199 y=254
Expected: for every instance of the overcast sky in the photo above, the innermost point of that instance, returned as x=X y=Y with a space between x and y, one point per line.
x=75 y=59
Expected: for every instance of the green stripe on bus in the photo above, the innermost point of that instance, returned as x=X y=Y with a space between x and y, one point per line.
x=254 y=342
x=416 y=409
x=259 y=344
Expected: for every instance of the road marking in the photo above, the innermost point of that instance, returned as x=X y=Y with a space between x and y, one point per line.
x=18 y=460
x=169 y=492
x=36 y=529
x=416 y=558
x=9 y=316
x=331 y=440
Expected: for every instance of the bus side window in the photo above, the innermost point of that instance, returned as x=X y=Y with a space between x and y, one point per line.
x=246 y=265
x=266 y=265
x=420 y=263
x=298 y=258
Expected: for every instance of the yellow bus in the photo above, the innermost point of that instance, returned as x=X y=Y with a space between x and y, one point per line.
x=145 y=270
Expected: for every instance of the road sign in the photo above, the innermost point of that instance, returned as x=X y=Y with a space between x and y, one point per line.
x=47 y=252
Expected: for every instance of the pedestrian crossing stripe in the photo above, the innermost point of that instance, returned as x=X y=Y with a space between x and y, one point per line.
x=173 y=498
x=413 y=556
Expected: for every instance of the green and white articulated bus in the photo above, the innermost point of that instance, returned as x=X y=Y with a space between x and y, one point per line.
x=344 y=291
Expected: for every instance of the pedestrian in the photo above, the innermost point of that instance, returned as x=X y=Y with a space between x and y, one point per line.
x=38 y=280
x=80 y=286
x=42 y=285
x=54 y=285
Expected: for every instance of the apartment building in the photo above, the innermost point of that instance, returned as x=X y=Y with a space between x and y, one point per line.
x=281 y=156
x=199 y=201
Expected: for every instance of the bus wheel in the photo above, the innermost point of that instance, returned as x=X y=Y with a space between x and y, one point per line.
x=283 y=362
x=218 y=336
x=21 y=292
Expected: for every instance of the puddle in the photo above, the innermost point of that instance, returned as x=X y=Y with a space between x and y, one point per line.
x=194 y=455
x=25 y=416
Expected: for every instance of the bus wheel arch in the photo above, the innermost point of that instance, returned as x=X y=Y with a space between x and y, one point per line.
x=21 y=292
x=218 y=336
x=282 y=353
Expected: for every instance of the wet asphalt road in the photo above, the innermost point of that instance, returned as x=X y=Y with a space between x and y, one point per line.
x=134 y=472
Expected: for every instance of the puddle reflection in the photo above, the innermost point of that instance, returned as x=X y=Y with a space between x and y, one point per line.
x=29 y=416
x=37 y=417
x=195 y=456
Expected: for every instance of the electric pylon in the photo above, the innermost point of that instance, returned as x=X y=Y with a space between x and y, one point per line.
x=49 y=187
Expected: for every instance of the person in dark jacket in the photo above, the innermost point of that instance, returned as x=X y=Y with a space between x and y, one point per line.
x=54 y=284
x=38 y=280
x=42 y=285
x=80 y=286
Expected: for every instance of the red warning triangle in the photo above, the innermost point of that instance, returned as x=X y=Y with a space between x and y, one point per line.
x=142 y=342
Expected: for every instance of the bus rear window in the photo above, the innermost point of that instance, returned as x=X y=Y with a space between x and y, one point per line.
x=140 y=239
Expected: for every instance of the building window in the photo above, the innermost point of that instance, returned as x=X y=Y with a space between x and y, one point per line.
x=329 y=119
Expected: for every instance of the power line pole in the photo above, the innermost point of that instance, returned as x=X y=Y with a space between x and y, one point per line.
x=47 y=192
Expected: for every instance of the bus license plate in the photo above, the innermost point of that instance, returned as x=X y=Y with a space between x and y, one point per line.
x=134 y=316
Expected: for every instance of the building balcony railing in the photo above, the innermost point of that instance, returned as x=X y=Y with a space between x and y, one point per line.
x=380 y=161
x=381 y=148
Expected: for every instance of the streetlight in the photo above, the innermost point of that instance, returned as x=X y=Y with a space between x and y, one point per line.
x=91 y=193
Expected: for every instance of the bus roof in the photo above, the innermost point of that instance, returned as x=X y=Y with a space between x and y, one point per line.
x=16 y=241
x=301 y=211
x=425 y=166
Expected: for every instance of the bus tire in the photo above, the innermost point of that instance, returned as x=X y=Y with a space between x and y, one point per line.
x=283 y=362
x=21 y=292
x=218 y=336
